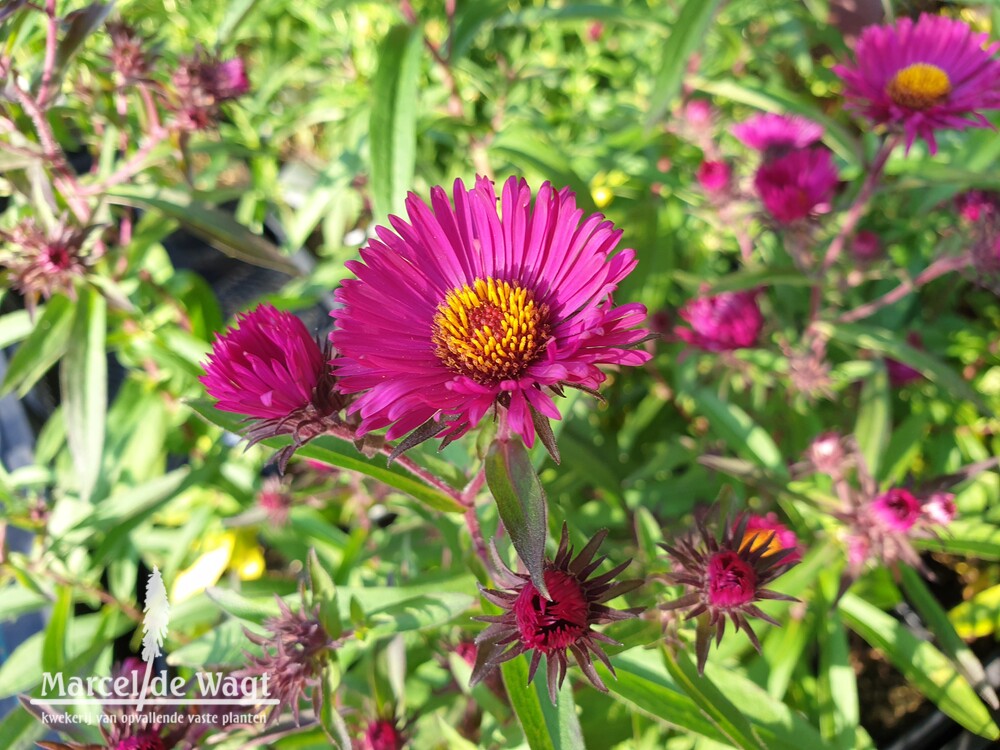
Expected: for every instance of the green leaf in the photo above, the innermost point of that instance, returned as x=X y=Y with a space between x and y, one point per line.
x=211 y=224
x=886 y=342
x=874 y=422
x=325 y=592
x=18 y=600
x=521 y=503
x=526 y=704
x=124 y=510
x=924 y=666
x=237 y=12
x=54 y=646
x=20 y=730
x=940 y=623
x=685 y=39
x=712 y=702
x=837 y=689
x=393 y=126
x=83 y=377
x=971 y=538
x=744 y=436
x=338 y=453
x=752 y=279
x=16 y=326
x=42 y=349
x=80 y=24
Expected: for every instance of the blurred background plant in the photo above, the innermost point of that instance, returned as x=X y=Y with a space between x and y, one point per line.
x=165 y=166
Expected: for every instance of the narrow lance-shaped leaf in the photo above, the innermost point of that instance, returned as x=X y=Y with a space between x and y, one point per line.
x=393 y=124
x=521 y=504
x=83 y=377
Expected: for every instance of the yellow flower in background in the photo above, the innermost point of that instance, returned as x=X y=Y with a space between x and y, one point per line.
x=232 y=550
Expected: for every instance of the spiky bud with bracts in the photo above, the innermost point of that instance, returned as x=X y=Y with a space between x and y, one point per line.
x=725 y=577
x=41 y=263
x=294 y=653
x=202 y=83
x=553 y=627
x=131 y=55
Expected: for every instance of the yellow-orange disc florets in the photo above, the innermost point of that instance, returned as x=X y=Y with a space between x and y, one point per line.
x=490 y=331
x=919 y=86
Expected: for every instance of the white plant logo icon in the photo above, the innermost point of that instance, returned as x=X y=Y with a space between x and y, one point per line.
x=154 y=626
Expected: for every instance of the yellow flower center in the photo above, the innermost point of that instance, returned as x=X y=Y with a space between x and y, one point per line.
x=753 y=539
x=919 y=86
x=490 y=331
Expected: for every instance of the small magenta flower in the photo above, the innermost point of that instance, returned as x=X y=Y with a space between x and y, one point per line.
x=465 y=310
x=725 y=577
x=724 y=322
x=271 y=370
x=866 y=247
x=794 y=186
x=774 y=536
x=900 y=373
x=977 y=205
x=714 y=176
x=201 y=83
x=827 y=454
x=898 y=510
x=294 y=652
x=924 y=76
x=698 y=113
x=383 y=734
x=551 y=628
x=774 y=135
x=939 y=509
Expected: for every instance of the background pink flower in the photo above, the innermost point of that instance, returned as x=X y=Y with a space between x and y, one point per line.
x=923 y=76
x=798 y=184
x=770 y=132
x=727 y=321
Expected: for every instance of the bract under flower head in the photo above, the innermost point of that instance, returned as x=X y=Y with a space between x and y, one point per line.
x=464 y=309
x=774 y=134
x=270 y=369
x=923 y=76
x=553 y=627
x=724 y=578
x=798 y=184
x=724 y=322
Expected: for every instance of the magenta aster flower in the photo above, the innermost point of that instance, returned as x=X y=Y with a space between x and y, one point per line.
x=898 y=510
x=923 y=76
x=230 y=79
x=774 y=134
x=772 y=535
x=270 y=369
x=724 y=322
x=550 y=628
x=724 y=578
x=465 y=309
x=977 y=205
x=714 y=176
x=798 y=184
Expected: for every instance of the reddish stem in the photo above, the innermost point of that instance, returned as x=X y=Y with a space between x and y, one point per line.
x=51 y=40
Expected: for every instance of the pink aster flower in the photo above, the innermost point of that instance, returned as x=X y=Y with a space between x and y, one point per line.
x=798 y=184
x=977 y=205
x=774 y=536
x=774 y=134
x=920 y=77
x=898 y=510
x=727 y=321
x=465 y=309
x=551 y=628
x=939 y=509
x=230 y=79
x=271 y=370
x=724 y=578
x=714 y=176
